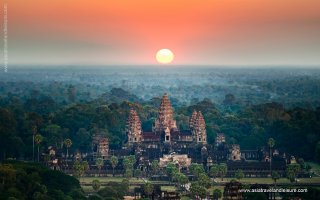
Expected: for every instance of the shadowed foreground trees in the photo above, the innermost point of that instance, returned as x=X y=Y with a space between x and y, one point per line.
x=32 y=181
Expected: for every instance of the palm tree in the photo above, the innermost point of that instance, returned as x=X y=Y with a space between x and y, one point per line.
x=38 y=139
x=68 y=144
x=34 y=132
x=114 y=163
x=271 y=143
x=99 y=163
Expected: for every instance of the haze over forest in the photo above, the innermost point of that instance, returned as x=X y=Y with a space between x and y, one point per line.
x=292 y=86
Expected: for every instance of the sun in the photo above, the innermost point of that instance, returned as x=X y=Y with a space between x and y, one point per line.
x=164 y=56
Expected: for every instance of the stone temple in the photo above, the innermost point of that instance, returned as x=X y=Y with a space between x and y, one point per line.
x=165 y=137
x=165 y=133
x=167 y=143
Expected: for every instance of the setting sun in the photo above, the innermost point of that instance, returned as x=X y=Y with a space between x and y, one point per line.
x=164 y=56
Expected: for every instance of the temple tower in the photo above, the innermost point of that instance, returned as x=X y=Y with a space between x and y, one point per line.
x=165 y=116
x=133 y=127
x=199 y=129
x=193 y=120
x=235 y=153
x=220 y=139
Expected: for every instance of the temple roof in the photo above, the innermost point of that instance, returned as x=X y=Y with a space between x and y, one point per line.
x=150 y=136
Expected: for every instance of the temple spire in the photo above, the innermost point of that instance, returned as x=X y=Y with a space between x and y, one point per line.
x=133 y=127
x=165 y=116
x=199 y=128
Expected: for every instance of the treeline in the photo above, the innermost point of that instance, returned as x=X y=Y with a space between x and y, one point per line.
x=296 y=131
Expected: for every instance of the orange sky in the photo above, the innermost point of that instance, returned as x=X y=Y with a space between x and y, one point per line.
x=198 y=32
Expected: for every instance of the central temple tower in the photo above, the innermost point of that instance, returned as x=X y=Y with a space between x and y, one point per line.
x=165 y=120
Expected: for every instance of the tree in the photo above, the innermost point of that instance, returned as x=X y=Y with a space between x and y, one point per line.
x=54 y=135
x=114 y=162
x=128 y=163
x=196 y=169
x=271 y=143
x=137 y=173
x=155 y=166
x=128 y=173
x=7 y=175
x=72 y=94
x=171 y=169
x=80 y=167
x=67 y=143
x=302 y=163
x=197 y=191
x=214 y=170
x=99 y=163
x=223 y=170
x=292 y=171
x=38 y=139
x=34 y=132
x=275 y=176
x=182 y=179
x=125 y=183
x=239 y=174
x=204 y=180
x=148 y=188
x=217 y=194
x=96 y=185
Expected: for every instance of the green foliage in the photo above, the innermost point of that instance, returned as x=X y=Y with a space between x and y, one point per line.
x=217 y=194
x=317 y=152
x=271 y=142
x=292 y=171
x=148 y=188
x=223 y=170
x=96 y=184
x=218 y=170
x=80 y=167
x=30 y=181
x=197 y=190
x=125 y=184
x=171 y=169
x=38 y=139
x=196 y=169
x=155 y=166
x=214 y=170
x=275 y=176
x=128 y=173
x=113 y=190
x=239 y=174
x=67 y=143
x=204 y=180
x=137 y=173
x=128 y=163
x=95 y=197
x=114 y=162
x=99 y=163
x=60 y=181
x=248 y=125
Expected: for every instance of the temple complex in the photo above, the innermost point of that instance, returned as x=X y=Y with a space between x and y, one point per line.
x=164 y=130
x=166 y=143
